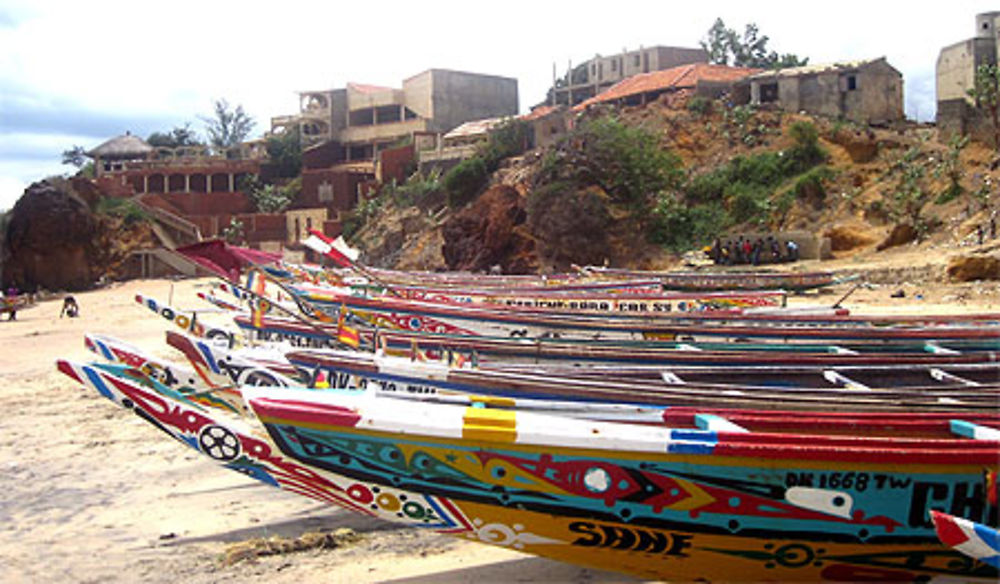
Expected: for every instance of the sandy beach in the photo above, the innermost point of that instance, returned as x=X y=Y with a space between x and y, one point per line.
x=92 y=494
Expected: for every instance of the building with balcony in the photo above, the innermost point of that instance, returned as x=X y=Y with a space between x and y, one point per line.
x=356 y=136
x=361 y=120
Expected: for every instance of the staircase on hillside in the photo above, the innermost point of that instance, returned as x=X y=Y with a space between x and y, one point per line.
x=171 y=229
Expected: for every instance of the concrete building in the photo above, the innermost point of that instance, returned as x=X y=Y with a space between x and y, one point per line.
x=595 y=75
x=956 y=73
x=364 y=119
x=352 y=136
x=867 y=91
x=544 y=125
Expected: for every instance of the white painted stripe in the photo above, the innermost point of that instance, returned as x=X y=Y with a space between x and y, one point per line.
x=715 y=423
x=941 y=375
x=391 y=415
x=974 y=431
x=837 y=378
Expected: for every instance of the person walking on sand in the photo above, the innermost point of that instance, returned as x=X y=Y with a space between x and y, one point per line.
x=70 y=308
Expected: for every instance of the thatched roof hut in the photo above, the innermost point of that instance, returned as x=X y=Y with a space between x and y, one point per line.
x=125 y=147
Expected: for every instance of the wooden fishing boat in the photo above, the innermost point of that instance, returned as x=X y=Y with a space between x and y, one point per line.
x=653 y=502
x=348 y=370
x=853 y=376
x=974 y=539
x=545 y=300
x=727 y=280
x=478 y=320
x=360 y=370
x=576 y=351
x=225 y=371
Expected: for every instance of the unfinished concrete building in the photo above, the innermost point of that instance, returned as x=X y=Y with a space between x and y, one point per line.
x=955 y=77
x=866 y=91
x=363 y=119
x=593 y=76
x=352 y=136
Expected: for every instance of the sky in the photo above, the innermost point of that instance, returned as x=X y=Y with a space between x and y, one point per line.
x=78 y=73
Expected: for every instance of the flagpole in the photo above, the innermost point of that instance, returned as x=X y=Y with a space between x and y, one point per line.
x=257 y=298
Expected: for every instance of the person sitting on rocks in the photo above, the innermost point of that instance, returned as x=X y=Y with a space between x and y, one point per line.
x=70 y=308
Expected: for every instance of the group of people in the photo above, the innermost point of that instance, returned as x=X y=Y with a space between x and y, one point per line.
x=753 y=252
x=987 y=229
x=11 y=301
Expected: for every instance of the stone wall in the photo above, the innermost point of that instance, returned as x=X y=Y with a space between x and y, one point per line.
x=957 y=116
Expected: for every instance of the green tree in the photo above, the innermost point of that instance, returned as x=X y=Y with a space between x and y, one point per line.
x=179 y=137
x=985 y=91
x=510 y=138
x=228 y=127
x=951 y=168
x=267 y=198
x=727 y=47
x=909 y=195
x=285 y=151
x=75 y=156
x=234 y=233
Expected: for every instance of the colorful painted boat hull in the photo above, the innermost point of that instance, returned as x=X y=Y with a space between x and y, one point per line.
x=683 y=513
x=453 y=319
x=976 y=540
x=734 y=280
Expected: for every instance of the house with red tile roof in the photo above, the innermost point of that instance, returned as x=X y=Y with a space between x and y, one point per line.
x=701 y=78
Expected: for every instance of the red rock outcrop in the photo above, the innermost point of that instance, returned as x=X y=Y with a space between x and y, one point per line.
x=54 y=241
x=488 y=233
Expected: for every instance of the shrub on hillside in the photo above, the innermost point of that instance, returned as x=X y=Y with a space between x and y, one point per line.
x=464 y=180
x=748 y=203
x=750 y=186
x=628 y=163
x=811 y=185
x=417 y=189
x=678 y=226
x=510 y=138
x=699 y=105
x=806 y=152
x=125 y=209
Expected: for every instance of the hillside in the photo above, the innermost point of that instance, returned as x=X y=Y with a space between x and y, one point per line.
x=875 y=186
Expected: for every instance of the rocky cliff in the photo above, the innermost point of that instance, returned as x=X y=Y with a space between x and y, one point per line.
x=54 y=241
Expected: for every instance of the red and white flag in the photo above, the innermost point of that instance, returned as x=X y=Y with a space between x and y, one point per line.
x=335 y=249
